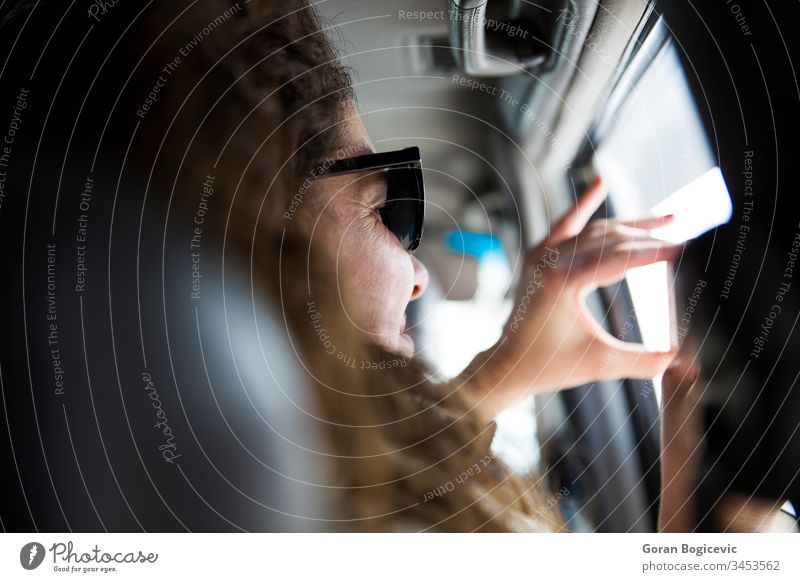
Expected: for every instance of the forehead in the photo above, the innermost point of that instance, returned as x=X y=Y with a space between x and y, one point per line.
x=353 y=150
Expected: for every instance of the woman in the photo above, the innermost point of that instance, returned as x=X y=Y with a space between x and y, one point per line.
x=263 y=101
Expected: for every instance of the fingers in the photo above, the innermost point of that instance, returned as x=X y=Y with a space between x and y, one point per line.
x=681 y=375
x=640 y=253
x=621 y=359
x=616 y=259
x=648 y=223
x=679 y=380
x=640 y=228
x=576 y=218
x=633 y=360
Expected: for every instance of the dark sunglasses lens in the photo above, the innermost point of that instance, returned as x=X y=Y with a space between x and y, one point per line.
x=404 y=210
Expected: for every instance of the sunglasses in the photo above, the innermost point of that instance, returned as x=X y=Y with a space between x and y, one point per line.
x=403 y=213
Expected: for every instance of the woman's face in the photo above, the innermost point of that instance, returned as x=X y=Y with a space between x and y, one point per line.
x=376 y=276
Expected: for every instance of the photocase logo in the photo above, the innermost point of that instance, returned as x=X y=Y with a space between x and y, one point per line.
x=31 y=555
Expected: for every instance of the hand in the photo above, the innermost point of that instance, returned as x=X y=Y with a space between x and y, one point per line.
x=681 y=453
x=551 y=341
x=681 y=440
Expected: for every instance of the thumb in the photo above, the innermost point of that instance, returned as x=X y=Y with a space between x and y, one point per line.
x=633 y=360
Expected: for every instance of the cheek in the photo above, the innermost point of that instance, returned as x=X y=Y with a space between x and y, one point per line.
x=377 y=277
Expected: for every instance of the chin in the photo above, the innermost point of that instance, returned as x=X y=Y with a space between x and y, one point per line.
x=405 y=345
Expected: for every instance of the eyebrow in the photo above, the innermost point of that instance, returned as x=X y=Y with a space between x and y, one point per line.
x=357 y=149
x=361 y=148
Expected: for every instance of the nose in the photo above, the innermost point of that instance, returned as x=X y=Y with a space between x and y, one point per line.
x=421 y=278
